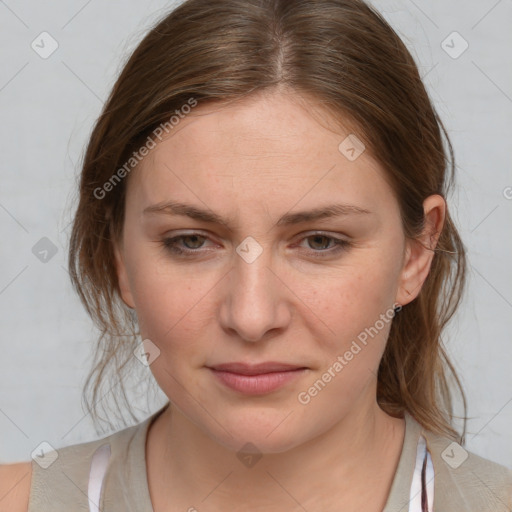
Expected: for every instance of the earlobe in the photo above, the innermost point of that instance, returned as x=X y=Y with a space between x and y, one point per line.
x=122 y=278
x=419 y=252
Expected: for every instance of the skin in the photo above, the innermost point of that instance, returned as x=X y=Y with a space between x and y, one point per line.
x=253 y=162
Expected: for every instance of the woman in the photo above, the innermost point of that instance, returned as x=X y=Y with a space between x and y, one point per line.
x=262 y=202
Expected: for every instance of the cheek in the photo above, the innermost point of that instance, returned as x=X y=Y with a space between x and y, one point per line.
x=167 y=308
x=357 y=307
x=356 y=295
x=171 y=303
x=356 y=303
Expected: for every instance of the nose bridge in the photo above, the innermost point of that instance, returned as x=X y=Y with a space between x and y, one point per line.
x=252 y=266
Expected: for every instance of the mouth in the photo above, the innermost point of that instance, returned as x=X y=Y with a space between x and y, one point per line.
x=256 y=379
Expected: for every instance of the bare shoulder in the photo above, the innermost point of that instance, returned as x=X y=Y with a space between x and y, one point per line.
x=15 y=482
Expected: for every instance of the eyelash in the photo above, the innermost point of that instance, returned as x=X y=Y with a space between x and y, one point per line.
x=171 y=245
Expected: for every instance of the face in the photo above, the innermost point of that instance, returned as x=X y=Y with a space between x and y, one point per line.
x=257 y=283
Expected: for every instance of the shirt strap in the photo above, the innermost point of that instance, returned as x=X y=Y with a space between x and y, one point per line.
x=421 y=496
x=99 y=466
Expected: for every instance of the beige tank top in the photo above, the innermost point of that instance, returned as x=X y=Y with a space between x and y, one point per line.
x=109 y=475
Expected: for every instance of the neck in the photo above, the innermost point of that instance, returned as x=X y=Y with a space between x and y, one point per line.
x=360 y=453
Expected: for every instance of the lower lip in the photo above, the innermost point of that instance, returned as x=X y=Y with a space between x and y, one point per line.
x=257 y=384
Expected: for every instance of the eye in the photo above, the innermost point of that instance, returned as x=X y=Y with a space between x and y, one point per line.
x=192 y=241
x=192 y=244
x=320 y=240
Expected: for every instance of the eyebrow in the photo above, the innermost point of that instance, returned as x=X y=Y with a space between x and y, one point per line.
x=193 y=212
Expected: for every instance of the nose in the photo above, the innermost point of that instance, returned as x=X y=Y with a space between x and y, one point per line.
x=256 y=298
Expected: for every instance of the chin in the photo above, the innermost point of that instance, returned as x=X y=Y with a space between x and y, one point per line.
x=254 y=434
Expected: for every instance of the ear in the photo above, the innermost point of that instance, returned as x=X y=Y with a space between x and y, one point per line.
x=122 y=276
x=419 y=253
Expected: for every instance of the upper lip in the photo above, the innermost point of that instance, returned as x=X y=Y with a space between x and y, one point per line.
x=256 y=369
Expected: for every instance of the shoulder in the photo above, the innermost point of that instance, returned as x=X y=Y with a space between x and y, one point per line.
x=60 y=477
x=466 y=481
x=15 y=480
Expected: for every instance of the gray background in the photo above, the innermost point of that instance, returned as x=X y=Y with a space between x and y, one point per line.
x=47 y=110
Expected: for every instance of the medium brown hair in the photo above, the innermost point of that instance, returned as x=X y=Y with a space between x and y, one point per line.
x=343 y=54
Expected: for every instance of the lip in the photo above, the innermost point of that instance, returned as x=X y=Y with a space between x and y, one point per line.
x=256 y=379
x=255 y=369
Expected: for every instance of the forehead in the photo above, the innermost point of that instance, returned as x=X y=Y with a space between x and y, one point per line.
x=278 y=145
x=263 y=124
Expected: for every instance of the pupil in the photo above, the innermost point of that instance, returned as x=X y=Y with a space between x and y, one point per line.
x=189 y=237
x=316 y=237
